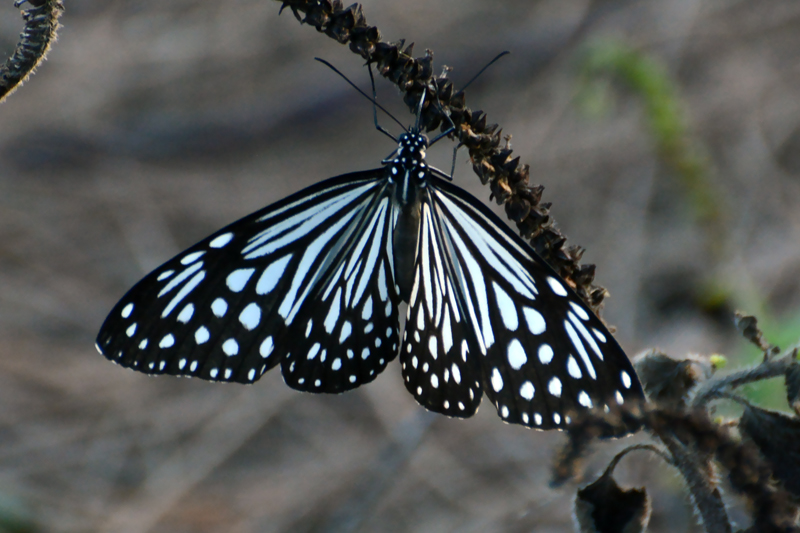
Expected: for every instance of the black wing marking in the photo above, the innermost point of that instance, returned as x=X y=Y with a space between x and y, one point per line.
x=240 y=301
x=543 y=353
x=439 y=355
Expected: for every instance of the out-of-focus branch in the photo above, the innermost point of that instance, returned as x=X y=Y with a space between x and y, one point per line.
x=41 y=25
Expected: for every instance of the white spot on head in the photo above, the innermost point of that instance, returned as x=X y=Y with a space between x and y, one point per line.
x=192 y=257
x=250 y=316
x=556 y=286
x=230 y=347
x=584 y=399
x=504 y=412
x=619 y=398
x=167 y=341
x=434 y=381
x=557 y=418
x=527 y=390
x=186 y=313
x=252 y=374
x=347 y=329
x=554 y=387
x=516 y=354
x=131 y=330
x=221 y=240
x=237 y=279
x=545 y=354
x=497 y=380
x=535 y=320
x=626 y=379
x=126 y=311
x=219 y=307
x=599 y=335
x=201 y=335
x=573 y=368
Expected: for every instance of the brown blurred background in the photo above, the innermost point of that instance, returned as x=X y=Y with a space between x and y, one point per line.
x=154 y=123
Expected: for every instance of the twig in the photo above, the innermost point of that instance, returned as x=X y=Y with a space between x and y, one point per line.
x=769 y=368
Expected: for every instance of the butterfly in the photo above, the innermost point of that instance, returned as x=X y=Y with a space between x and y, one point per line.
x=314 y=283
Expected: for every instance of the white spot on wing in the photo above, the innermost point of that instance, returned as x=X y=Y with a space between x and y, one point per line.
x=126 y=311
x=167 y=341
x=580 y=311
x=237 y=279
x=626 y=379
x=535 y=320
x=556 y=286
x=584 y=399
x=545 y=354
x=131 y=330
x=230 y=347
x=186 y=313
x=573 y=368
x=554 y=387
x=527 y=390
x=508 y=311
x=192 y=257
x=221 y=240
x=272 y=275
x=250 y=316
x=497 y=380
x=219 y=307
x=433 y=348
x=201 y=336
x=516 y=354
x=266 y=347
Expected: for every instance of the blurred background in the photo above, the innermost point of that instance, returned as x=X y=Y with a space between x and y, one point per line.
x=667 y=135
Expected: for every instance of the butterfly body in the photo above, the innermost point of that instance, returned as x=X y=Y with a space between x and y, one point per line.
x=315 y=282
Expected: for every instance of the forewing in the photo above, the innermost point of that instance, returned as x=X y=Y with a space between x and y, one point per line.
x=543 y=353
x=439 y=355
x=240 y=301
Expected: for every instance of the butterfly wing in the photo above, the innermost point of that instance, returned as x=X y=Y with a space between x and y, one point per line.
x=539 y=351
x=291 y=283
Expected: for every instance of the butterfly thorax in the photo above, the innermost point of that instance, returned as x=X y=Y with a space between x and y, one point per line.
x=408 y=173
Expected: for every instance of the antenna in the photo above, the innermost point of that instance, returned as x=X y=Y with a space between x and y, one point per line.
x=371 y=99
